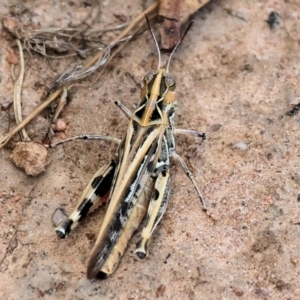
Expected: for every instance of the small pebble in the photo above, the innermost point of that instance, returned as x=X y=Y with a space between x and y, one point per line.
x=6 y=105
x=60 y=125
x=215 y=127
x=240 y=146
x=9 y=24
x=15 y=199
x=12 y=58
x=90 y=236
x=62 y=136
x=58 y=217
x=30 y=157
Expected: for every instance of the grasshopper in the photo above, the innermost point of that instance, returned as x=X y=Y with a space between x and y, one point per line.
x=137 y=182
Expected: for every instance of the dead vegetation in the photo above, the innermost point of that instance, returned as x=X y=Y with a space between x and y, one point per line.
x=45 y=41
x=81 y=41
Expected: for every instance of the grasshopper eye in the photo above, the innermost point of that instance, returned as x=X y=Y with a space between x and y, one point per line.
x=149 y=77
x=170 y=82
x=170 y=95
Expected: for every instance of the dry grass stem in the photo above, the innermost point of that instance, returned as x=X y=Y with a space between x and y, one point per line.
x=17 y=95
x=62 y=102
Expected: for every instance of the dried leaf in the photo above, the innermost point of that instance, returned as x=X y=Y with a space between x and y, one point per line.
x=173 y=14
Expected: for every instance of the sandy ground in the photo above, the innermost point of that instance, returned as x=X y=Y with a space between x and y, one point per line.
x=236 y=79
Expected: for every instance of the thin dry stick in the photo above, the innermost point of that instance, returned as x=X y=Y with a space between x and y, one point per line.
x=17 y=95
x=4 y=140
x=62 y=102
x=125 y=32
x=122 y=35
x=121 y=46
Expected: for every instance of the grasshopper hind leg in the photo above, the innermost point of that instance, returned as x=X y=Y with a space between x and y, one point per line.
x=157 y=207
x=95 y=193
x=159 y=199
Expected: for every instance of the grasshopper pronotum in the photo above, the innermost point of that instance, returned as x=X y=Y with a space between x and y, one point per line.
x=138 y=180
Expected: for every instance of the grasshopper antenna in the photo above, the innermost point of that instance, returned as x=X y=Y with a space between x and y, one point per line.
x=176 y=46
x=155 y=41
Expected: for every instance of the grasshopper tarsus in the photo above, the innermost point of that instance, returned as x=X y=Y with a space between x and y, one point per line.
x=64 y=229
x=140 y=254
x=190 y=132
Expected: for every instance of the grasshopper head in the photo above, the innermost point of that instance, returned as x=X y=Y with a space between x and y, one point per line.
x=158 y=85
